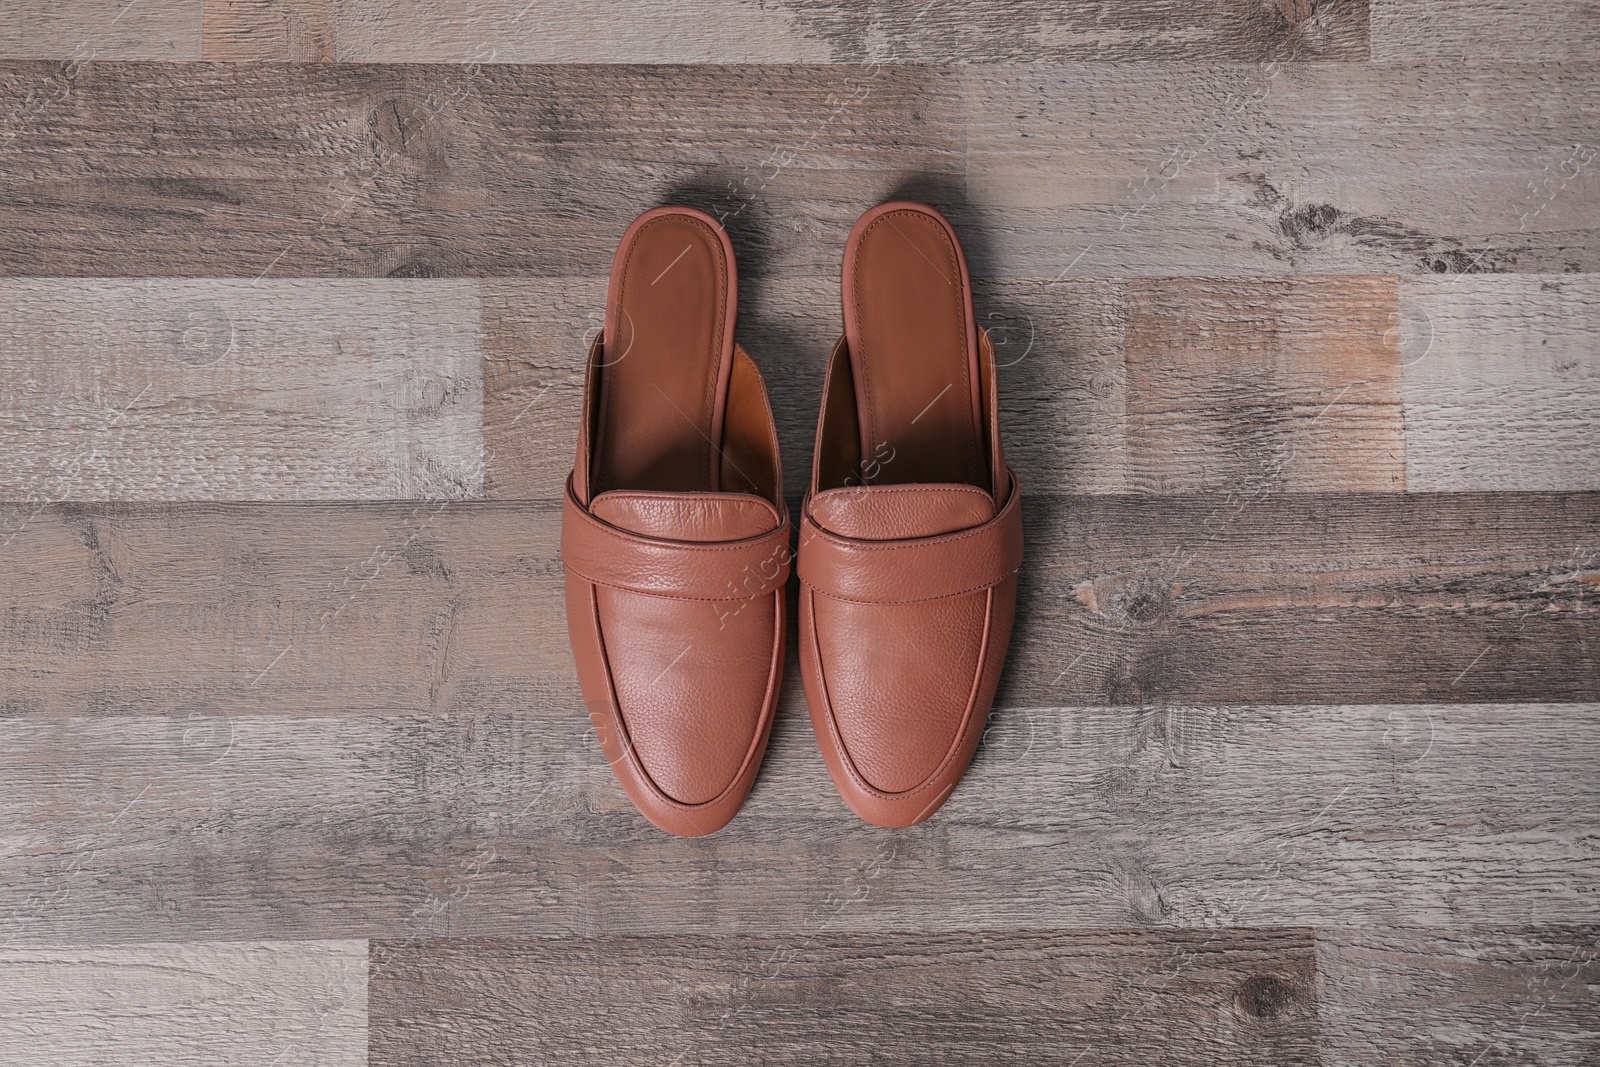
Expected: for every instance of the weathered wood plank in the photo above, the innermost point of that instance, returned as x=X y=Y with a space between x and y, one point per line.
x=1330 y=168
x=231 y=390
x=808 y=31
x=1539 y=30
x=1261 y=595
x=296 y=31
x=218 y=1004
x=1466 y=996
x=508 y=823
x=1258 y=596
x=328 y=170
x=1293 y=383
x=1245 y=997
x=1502 y=382
x=78 y=31
x=477 y=170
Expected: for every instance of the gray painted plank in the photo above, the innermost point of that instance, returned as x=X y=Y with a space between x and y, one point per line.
x=1326 y=168
x=220 y=1004
x=231 y=390
x=449 y=607
x=509 y=824
x=80 y=31
x=884 y=31
x=1051 y=170
x=1244 y=997
x=1396 y=996
x=1539 y=30
x=333 y=170
x=1501 y=382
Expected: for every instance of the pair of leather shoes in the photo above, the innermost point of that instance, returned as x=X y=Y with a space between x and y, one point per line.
x=675 y=534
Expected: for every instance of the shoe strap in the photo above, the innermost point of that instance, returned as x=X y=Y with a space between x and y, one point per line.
x=691 y=570
x=916 y=569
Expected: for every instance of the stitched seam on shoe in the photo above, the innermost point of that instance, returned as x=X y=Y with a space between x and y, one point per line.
x=955 y=745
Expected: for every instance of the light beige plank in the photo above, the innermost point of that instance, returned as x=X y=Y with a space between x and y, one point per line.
x=80 y=31
x=1391 y=996
x=503 y=820
x=1502 y=382
x=234 y=1004
x=1321 y=168
x=233 y=390
x=295 y=31
x=1541 y=31
x=1283 y=383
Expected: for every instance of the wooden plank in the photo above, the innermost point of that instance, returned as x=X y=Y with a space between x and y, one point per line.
x=221 y=1004
x=971 y=998
x=503 y=820
x=1258 y=596
x=1423 y=167
x=79 y=31
x=296 y=31
x=1540 y=30
x=809 y=31
x=1466 y=996
x=1292 y=383
x=1261 y=595
x=1501 y=382
x=244 y=170
x=233 y=390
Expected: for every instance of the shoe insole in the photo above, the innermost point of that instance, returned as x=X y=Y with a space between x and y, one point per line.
x=913 y=349
x=668 y=352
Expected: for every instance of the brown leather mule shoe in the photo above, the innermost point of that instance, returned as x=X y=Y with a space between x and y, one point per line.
x=911 y=534
x=675 y=536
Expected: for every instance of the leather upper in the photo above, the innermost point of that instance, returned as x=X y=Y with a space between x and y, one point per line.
x=675 y=536
x=908 y=582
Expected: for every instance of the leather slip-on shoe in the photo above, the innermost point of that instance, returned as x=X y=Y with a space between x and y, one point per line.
x=911 y=531
x=674 y=534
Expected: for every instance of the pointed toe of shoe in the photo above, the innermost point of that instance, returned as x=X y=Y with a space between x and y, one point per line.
x=900 y=693
x=682 y=705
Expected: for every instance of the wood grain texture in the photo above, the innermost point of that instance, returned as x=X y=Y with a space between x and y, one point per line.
x=1401 y=997
x=1256 y=596
x=1261 y=595
x=1291 y=383
x=885 y=31
x=218 y=1004
x=240 y=170
x=78 y=31
x=962 y=998
x=1050 y=171
x=1502 y=382
x=510 y=824
x=296 y=31
x=234 y=390
x=1536 y=30
x=1398 y=168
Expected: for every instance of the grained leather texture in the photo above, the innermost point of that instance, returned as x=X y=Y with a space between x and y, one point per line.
x=911 y=533
x=675 y=536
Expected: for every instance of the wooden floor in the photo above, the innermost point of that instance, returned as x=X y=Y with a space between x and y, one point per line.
x=1297 y=758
